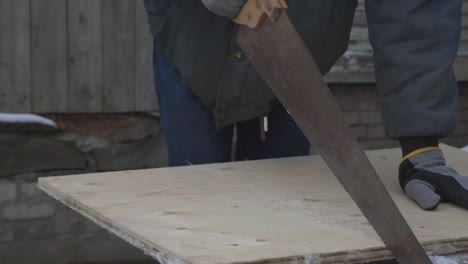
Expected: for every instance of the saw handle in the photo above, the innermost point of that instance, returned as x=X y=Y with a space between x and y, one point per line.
x=254 y=12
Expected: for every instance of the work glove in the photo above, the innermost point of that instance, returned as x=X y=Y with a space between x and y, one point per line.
x=427 y=180
x=226 y=8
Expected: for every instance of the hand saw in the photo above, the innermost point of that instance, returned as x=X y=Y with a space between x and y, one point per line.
x=278 y=53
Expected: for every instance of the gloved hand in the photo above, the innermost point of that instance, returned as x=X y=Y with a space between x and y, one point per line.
x=226 y=8
x=426 y=179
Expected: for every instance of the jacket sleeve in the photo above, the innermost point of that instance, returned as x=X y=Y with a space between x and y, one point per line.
x=415 y=44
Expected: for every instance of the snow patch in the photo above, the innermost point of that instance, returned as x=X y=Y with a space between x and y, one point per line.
x=447 y=260
x=312 y=260
x=26 y=119
x=465 y=148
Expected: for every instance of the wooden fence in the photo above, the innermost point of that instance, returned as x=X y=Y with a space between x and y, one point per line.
x=95 y=56
x=75 y=56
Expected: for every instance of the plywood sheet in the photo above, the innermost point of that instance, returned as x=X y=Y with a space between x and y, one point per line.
x=273 y=211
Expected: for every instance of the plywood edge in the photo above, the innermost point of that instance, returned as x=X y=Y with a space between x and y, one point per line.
x=433 y=248
x=159 y=254
x=442 y=247
x=54 y=186
x=349 y=257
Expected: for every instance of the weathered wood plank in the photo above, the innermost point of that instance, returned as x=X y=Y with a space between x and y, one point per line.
x=118 y=57
x=15 y=56
x=271 y=211
x=145 y=94
x=49 y=56
x=84 y=56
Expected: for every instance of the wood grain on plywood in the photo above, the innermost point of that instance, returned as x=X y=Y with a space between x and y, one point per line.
x=272 y=211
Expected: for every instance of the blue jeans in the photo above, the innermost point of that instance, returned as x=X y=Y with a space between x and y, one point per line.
x=191 y=134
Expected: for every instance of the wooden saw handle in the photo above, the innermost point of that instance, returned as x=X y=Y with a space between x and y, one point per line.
x=254 y=12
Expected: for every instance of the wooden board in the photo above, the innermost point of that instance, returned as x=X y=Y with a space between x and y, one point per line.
x=85 y=56
x=49 y=56
x=145 y=93
x=15 y=57
x=118 y=56
x=272 y=211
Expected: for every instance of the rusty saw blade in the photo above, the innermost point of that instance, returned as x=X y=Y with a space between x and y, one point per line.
x=276 y=50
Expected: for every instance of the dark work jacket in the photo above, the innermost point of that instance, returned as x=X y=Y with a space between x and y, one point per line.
x=415 y=43
x=202 y=48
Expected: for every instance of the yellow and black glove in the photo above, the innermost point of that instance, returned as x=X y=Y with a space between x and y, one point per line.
x=426 y=179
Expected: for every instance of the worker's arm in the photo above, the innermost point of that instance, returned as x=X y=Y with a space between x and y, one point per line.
x=226 y=8
x=415 y=44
